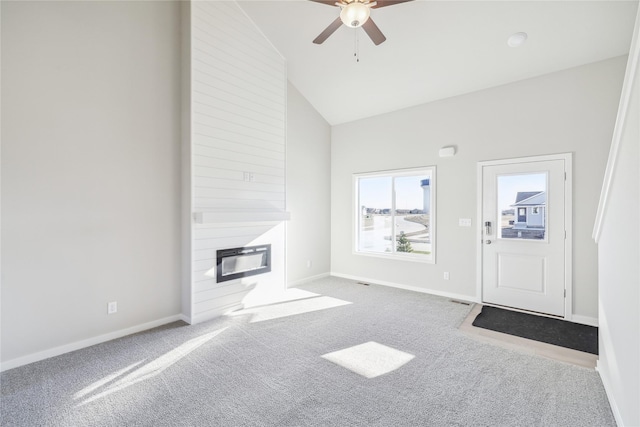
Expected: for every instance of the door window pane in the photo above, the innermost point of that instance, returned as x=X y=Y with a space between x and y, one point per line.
x=522 y=206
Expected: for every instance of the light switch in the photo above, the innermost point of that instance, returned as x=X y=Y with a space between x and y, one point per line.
x=464 y=222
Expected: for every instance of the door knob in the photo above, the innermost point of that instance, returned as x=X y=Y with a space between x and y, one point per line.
x=488 y=242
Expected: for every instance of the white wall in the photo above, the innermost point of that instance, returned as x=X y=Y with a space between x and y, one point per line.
x=568 y=111
x=90 y=171
x=308 y=190
x=238 y=113
x=619 y=272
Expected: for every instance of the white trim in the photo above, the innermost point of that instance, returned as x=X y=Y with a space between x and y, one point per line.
x=240 y=217
x=307 y=280
x=568 y=240
x=585 y=320
x=285 y=231
x=479 y=231
x=0 y=179
x=57 y=351
x=459 y=297
x=397 y=257
x=607 y=389
x=568 y=209
x=623 y=108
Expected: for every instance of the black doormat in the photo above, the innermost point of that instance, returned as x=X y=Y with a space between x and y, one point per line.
x=551 y=331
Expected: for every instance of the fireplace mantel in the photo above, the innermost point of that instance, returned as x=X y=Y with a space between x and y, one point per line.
x=225 y=217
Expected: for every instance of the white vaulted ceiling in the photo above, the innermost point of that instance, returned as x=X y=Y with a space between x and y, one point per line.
x=435 y=49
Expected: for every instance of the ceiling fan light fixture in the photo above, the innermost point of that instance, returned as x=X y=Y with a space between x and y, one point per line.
x=355 y=14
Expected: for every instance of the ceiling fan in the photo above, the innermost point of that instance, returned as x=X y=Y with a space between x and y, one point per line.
x=354 y=14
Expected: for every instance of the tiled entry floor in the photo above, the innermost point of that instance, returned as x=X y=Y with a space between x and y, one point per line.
x=525 y=345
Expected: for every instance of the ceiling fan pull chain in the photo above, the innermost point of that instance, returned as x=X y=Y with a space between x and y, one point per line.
x=356 y=52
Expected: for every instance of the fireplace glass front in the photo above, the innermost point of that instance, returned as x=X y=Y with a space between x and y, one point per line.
x=236 y=263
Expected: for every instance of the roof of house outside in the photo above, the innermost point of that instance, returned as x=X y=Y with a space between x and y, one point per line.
x=531 y=198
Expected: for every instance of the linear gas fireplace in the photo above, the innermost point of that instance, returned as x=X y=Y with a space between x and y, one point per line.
x=242 y=262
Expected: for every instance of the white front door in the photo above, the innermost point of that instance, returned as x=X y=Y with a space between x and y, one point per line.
x=524 y=218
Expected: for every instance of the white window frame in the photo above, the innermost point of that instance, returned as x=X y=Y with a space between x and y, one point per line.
x=400 y=256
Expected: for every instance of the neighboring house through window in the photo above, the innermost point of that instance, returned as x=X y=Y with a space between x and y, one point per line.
x=531 y=206
x=395 y=214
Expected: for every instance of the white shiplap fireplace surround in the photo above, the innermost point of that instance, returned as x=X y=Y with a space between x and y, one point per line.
x=233 y=155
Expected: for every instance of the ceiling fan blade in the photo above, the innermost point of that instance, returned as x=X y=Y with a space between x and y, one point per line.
x=373 y=32
x=328 y=31
x=328 y=2
x=384 y=3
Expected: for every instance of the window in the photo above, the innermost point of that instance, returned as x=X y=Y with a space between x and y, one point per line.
x=395 y=214
x=521 y=202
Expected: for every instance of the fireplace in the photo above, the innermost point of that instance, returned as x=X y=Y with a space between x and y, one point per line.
x=236 y=263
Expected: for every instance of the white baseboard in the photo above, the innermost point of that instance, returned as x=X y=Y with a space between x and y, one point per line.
x=307 y=280
x=585 y=320
x=459 y=297
x=57 y=351
x=604 y=377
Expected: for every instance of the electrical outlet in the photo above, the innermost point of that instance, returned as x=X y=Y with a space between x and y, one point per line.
x=112 y=307
x=446 y=275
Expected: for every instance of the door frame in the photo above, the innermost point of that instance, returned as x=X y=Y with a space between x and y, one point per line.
x=568 y=220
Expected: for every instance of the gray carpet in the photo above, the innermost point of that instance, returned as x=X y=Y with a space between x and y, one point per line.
x=257 y=369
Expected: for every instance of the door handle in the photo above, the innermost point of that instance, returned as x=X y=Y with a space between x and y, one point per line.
x=488 y=242
x=487 y=228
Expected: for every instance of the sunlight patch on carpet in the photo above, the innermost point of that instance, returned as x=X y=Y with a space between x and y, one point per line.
x=290 y=308
x=144 y=372
x=104 y=381
x=370 y=359
x=265 y=295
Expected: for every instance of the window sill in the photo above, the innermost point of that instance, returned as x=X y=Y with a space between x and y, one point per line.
x=395 y=257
